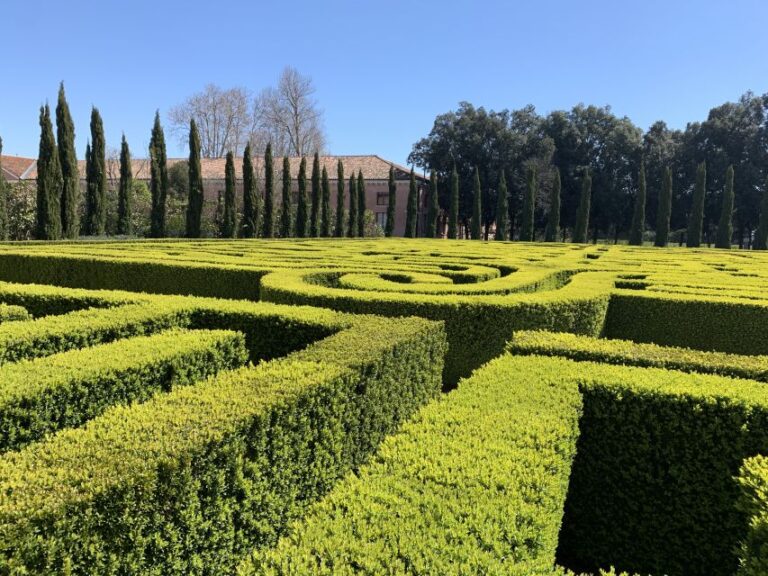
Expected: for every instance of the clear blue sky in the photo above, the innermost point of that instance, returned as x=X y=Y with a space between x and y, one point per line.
x=383 y=70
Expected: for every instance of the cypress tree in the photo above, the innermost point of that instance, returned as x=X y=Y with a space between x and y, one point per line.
x=340 y=201
x=286 y=216
x=229 y=220
x=158 y=178
x=553 y=218
x=325 y=206
x=411 y=208
x=453 y=208
x=434 y=206
x=49 y=181
x=477 y=207
x=665 y=209
x=582 y=215
x=70 y=194
x=761 y=242
x=3 y=200
x=96 y=199
x=696 y=221
x=314 y=227
x=360 y=204
x=124 y=220
x=527 y=232
x=502 y=210
x=352 y=225
x=725 y=226
x=249 y=227
x=389 y=228
x=301 y=206
x=195 y=198
x=638 y=214
x=269 y=193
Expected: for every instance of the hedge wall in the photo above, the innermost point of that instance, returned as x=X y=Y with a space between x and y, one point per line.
x=9 y=313
x=753 y=480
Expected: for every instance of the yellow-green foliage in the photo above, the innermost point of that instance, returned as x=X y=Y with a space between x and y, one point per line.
x=41 y=396
x=474 y=484
x=9 y=313
x=753 y=480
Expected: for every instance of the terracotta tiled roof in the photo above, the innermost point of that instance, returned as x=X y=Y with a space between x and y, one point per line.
x=17 y=167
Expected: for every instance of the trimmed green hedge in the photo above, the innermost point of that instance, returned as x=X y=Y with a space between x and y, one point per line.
x=40 y=300
x=753 y=480
x=626 y=352
x=65 y=390
x=474 y=484
x=10 y=313
x=188 y=481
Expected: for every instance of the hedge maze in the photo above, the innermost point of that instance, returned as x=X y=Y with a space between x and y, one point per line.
x=382 y=407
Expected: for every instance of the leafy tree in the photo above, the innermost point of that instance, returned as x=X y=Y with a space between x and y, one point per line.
x=411 y=208
x=453 y=212
x=527 y=231
x=360 y=204
x=637 y=229
x=340 y=201
x=502 y=210
x=314 y=230
x=353 y=212
x=325 y=209
x=553 y=219
x=249 y=227
x=477 y=207
x=302 y=214
x=195 y=184
x=389 y=229
x=70 y=195
x=125 y=191
x=664 y=213
x=49 y=181
x=229 y=220
x=269 y=193
x=761 y=242
x=286 y=211
x=725 y=227
x=158 y=179
x=696 y=221
x=434 y=206
x=582 y=216
x=4 y=227
x=96 y=199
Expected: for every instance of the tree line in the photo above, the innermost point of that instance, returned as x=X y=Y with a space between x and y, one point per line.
x=587 y=174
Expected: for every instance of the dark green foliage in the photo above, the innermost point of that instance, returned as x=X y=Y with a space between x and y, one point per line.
x=389 y=229
x=49 y=181
x=582 y=216
x=753 y=481
x=552 y=233
x=434 y=207
x=360 y=204
x=340 y=201
x=477 y=207
x=325 y=206
x=637 y=228
x=725 y=226
x=125 y=191
x=453 y=209
x=229 y=221
x=269 y=193
x=3 y=199
x=249 y=227
x=527 y=231
x=302 y=214
x=761 y=240
x=70 y=194
x=314 y=214
x=411 y=207
x=664 y=212
x=96 y=193
x=696 y=220
x=195 y=197
x=158 y=179
x=286 y=208
x=353 y=212
x=502 y=209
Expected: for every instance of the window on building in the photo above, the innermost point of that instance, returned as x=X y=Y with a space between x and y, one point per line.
x=382 y=198
x=381 y=219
